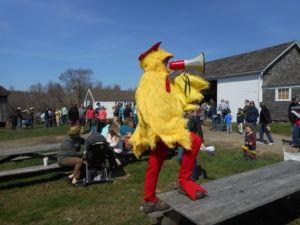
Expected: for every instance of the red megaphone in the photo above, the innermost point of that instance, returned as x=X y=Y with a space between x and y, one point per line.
x=196 y=63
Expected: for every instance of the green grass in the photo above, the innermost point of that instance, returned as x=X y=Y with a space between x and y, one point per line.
x=281 y=128
x=37 y=131
x=48 y=199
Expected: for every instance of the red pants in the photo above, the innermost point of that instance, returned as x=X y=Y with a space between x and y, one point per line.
x=156 y=159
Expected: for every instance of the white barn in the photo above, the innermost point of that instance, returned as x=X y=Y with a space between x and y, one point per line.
x=108 y=98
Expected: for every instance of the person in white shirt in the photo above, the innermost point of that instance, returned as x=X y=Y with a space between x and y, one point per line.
x=113 y=138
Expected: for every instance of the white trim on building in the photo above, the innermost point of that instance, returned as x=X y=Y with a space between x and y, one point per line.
x=289 y=98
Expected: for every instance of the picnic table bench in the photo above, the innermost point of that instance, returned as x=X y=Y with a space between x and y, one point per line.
x=233 y=195
x=17 y=154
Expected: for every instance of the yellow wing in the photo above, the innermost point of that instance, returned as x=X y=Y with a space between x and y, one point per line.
x=188 y=88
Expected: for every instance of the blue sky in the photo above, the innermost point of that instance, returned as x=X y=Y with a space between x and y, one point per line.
x=41 y=39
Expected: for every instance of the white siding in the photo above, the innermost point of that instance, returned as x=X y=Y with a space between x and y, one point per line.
x=237 y=89
x=108 y=105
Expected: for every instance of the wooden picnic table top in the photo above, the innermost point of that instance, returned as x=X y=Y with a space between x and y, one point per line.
x=237 y=194
x=29 y=149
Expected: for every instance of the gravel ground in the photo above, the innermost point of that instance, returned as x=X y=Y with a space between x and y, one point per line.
x=235 y=141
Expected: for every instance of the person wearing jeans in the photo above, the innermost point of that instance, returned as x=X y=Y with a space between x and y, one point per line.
x=264 y=120
x=212 y=113
x=296 y=129
x=252 y=115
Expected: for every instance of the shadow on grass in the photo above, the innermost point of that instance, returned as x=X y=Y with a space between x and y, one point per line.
x=21 y=183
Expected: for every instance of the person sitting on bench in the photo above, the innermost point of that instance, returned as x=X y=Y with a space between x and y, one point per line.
x=69 y=154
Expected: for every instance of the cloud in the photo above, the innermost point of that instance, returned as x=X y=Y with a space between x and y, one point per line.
x=61 y=10
x=4 y=26
x=70 y=13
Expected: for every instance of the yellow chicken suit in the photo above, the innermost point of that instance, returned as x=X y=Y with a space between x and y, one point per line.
x=160 y=112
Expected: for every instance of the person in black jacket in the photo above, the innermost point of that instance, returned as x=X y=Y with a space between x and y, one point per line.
x=20 y=117
x=291 y=116
x=212 y=113
x=264 y=120
x=73 y=115
x=252 y=115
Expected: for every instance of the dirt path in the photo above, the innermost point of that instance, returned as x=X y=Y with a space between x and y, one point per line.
x=31 y=141
x=235 y=141
x=221 y=140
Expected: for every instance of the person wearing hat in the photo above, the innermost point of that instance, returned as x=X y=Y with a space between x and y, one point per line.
x=69 y=154
x=20 y=117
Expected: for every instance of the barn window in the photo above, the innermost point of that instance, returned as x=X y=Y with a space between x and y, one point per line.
x=283 y=94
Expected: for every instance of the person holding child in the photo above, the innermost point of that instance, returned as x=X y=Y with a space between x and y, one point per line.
x=249 y=148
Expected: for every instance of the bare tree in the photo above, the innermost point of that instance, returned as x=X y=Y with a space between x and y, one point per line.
x=117 y=87
x=56 y=94
x=77 y=82
x=38 y=88
x=98 y=85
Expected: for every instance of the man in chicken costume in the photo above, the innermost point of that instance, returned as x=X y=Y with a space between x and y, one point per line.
x=160 y=106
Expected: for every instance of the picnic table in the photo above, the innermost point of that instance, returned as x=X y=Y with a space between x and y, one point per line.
x=29 y=152
x=233 y=195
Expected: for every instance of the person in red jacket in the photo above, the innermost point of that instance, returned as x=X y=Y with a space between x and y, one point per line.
x=90 y=115
x=102 y=118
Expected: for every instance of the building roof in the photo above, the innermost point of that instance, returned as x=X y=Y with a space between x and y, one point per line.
x=245 y=64
x=112 y=95
x=3 y=91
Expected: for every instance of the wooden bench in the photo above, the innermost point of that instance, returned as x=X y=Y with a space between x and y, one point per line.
x=51 y=155
x=28 y=152
x=31 y=151
x=233 y=195
x=29 y=170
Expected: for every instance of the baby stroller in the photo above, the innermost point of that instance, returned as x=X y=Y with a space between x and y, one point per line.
x=97 y=151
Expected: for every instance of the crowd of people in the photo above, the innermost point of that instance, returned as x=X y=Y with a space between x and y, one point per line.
x=22 y=118
x=247 y=119
x=118 y=130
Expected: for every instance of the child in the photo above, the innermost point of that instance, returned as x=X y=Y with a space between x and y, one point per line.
x=249 y=148
x=240 y=120
x=228 y=119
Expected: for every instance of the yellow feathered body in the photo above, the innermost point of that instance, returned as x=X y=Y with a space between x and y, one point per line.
x=160 y=113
